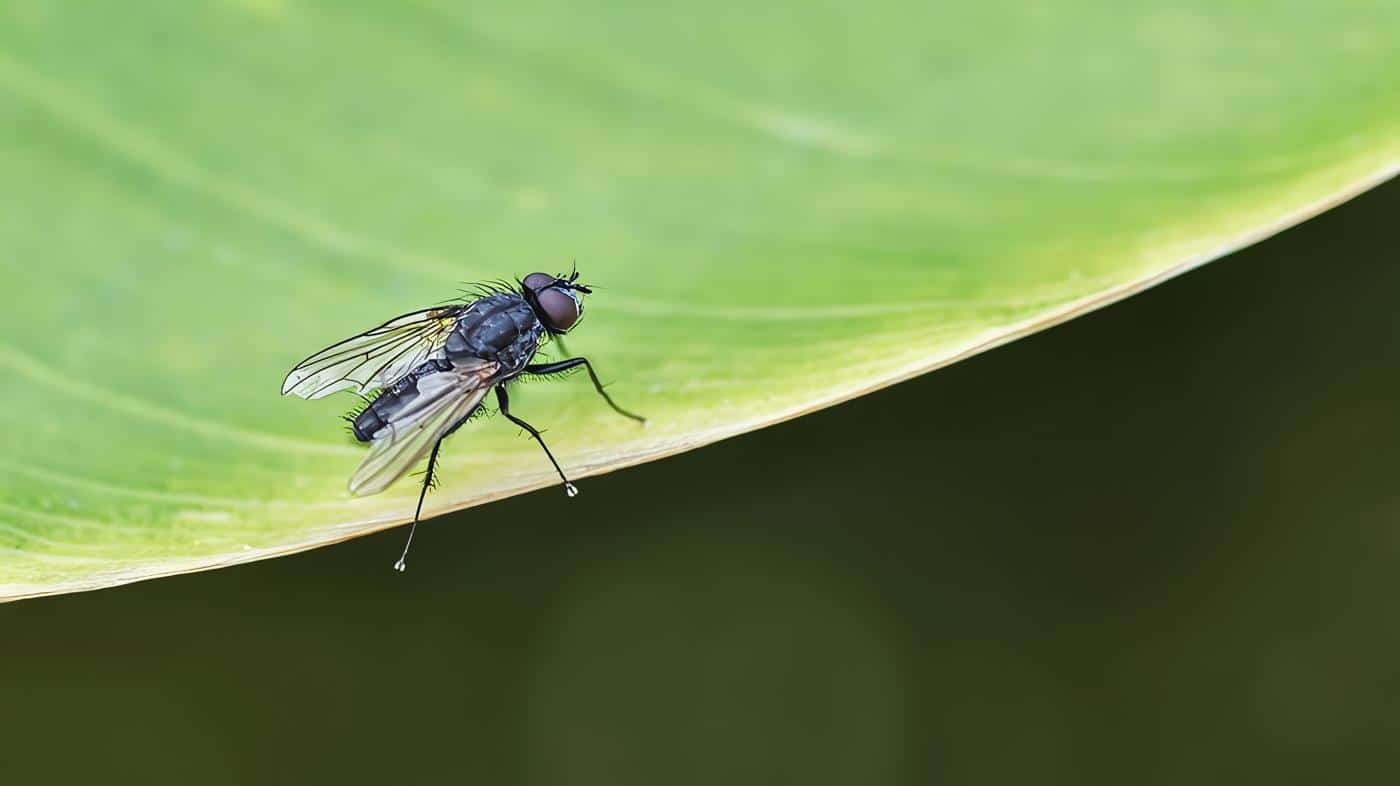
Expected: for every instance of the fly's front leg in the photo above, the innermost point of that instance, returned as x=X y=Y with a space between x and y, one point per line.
x=503 y=399
x=561 y=366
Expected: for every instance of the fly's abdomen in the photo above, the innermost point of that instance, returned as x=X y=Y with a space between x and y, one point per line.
x=369 y=422
x=388 y=404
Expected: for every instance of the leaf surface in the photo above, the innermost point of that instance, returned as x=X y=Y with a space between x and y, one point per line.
x=782 y=206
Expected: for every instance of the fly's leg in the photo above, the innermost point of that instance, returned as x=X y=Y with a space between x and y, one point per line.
x=429 y=481
x=561 y=366
x=503 y=399
x=461 y=422
x=428 y=478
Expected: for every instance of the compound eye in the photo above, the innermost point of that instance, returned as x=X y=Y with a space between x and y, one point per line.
x=560 y=306
x=537 y=281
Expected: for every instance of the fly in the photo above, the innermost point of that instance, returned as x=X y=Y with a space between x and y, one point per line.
x=427 y=372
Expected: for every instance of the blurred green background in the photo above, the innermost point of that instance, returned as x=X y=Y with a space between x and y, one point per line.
x=1156 y=545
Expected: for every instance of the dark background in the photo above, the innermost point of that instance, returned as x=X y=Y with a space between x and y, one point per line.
x=1157 y=545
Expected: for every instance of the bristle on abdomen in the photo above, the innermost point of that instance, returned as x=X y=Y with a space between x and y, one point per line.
x=365 y=424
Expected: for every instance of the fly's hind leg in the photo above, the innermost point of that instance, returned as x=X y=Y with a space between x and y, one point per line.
x=503 y=399
x=429 y=481
x=559 y=367
x=461 y=422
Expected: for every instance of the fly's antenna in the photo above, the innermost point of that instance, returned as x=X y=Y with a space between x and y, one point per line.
x=428 y=482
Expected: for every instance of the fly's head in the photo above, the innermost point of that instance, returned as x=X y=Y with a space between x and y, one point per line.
x=557 y=300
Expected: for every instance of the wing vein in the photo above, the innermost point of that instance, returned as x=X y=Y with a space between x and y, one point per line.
x=353 y=364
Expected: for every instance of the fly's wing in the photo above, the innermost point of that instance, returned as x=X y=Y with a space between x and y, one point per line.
x=443 y=399
x=375 y=358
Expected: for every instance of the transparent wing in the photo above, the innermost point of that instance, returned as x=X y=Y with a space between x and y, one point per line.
x=443 y=399
x=375 y=358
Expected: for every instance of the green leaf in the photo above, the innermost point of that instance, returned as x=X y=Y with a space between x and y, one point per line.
x=783 y=206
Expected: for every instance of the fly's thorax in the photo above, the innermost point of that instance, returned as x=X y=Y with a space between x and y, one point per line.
x=501 y=328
